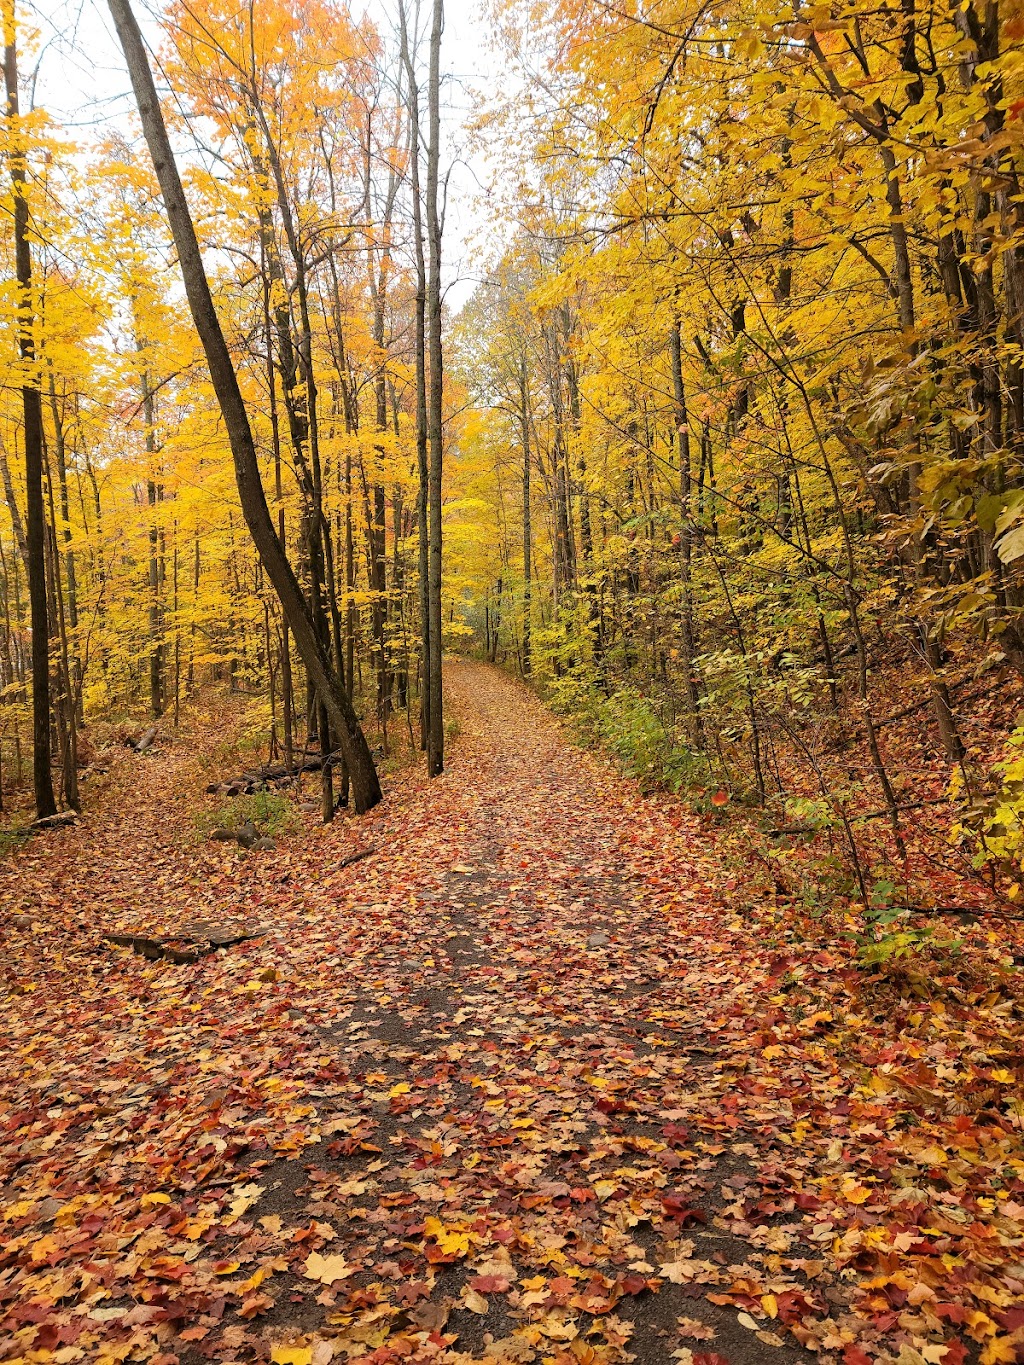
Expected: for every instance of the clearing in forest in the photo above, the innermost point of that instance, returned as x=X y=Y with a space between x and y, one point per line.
x=546 y=1078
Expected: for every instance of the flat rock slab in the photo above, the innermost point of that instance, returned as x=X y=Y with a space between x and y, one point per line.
x=188 y=943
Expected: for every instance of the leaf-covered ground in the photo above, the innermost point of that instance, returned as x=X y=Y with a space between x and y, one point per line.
x=547 y=1078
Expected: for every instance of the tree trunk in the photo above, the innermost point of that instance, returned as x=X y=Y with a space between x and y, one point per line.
x=32 y=403
x=60 y=450
x=435 y=432
x=524 y=418
x=423 y=496
x=686 y=523
x=154 y=494
x=366 y=787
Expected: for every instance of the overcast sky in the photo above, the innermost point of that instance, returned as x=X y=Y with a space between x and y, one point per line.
x=82 y=82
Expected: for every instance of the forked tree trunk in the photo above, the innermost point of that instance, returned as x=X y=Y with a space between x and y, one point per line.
x=365 y=785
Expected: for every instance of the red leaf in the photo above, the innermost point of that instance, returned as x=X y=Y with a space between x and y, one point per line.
x=853 y=1355
x=492 y=1284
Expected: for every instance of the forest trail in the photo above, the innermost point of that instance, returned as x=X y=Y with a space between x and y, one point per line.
x=540 y=1080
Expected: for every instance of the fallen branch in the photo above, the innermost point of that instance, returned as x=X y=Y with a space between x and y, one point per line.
x=963 y=911
x=146 y=742
x=356 y=857
x=40 y=826
x=248 y=782
x=63 y=817
x=867 y=815
x=922 y=705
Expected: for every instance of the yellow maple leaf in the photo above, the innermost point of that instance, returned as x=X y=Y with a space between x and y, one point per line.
x=245 y=1197
x=980 y=1325
x=291 y=1355
x=999 y=1351
x=255 y=1279
x=326 y=1269
x=856 y=1194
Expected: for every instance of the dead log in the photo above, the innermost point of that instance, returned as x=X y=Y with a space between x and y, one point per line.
x=63 y=817
x=146 y=742
x=246 y=783
x=357 y=857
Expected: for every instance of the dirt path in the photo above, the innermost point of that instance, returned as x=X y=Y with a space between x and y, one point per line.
x=528 y=1084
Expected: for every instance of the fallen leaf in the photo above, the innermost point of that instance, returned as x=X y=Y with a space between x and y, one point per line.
x=326 y=1269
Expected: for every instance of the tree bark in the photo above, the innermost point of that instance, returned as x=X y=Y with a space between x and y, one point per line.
x=154 y=494
x=686 y=521
x=423 y=499
x=435 y=432
x=365 y=785
x=524 y=419
x=32 y=403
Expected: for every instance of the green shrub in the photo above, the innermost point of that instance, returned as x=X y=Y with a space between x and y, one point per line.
x=270 y=812
x=993 y=827
x=889 y=935
x=11 y=840
x=626 y=725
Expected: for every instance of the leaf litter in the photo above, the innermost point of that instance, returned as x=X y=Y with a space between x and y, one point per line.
x=546 y=1079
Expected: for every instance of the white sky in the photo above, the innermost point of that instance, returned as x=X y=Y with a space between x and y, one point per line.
x=82 y=82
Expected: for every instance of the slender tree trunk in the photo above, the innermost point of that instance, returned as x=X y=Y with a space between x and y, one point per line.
x=422 y=467
x=366 y=787
x=12 y=506
x=686 y=523
x=64 y=702
x=60 y=451
x=32 y=404
x=287 y=690
x=435 y=428
x=524 y=421
x=154 y=494
x=177 y=630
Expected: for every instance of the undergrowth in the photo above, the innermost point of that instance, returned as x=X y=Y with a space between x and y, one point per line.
x=11 y=840
x=628 y=727
x=270 y=812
